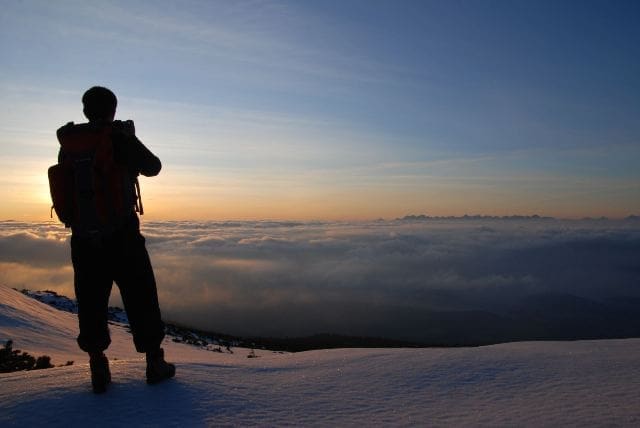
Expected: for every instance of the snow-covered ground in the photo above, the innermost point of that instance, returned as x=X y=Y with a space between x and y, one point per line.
x=533 y=383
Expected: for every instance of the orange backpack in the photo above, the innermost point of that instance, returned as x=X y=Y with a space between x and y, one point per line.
x=91 y=193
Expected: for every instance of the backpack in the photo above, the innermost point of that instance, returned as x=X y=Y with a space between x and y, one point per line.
x=91 y=193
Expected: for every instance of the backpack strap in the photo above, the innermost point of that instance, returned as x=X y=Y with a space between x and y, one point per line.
x=138 y=196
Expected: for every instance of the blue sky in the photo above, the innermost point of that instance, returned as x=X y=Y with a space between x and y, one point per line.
x=337 y=109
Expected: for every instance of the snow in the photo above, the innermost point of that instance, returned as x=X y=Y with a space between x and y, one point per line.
x=529 y=383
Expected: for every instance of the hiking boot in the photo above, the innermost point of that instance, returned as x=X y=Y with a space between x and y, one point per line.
x=157 y=368
x=100 y=374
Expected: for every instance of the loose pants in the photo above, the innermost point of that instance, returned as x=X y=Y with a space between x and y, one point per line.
x=121 y=258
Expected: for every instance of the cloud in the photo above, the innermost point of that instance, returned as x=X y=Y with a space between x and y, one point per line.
x=321 y=275
x=20 y=275
x=285 y=278
x=25 y=244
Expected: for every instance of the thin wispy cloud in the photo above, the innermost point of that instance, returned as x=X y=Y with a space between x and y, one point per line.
x=250 y=34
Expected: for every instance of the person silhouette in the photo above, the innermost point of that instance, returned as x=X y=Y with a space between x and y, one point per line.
x=116 y=254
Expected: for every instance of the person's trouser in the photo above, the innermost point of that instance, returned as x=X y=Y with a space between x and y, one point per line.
x=122 y=258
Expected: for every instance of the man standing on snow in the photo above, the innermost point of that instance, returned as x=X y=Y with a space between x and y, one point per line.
x=104 y=159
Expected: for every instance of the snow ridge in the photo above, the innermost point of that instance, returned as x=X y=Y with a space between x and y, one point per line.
x=582 y=383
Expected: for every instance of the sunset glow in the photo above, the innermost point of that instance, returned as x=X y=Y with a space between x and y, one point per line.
x=337 y=110
x=386 y=159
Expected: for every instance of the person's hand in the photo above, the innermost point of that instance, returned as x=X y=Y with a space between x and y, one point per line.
x=125 y=126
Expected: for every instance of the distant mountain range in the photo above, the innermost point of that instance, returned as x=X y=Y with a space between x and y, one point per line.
x=423 y=217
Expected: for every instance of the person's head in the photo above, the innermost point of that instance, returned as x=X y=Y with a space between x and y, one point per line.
x=99 y=104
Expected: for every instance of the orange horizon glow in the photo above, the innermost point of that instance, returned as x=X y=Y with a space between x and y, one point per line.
x=37 y=208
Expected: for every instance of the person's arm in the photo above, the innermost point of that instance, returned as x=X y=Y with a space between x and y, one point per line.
x=148 y=164
x=139 y=160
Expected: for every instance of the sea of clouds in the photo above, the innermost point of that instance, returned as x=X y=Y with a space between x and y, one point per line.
x=367 y=278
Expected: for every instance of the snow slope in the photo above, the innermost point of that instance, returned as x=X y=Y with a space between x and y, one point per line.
x=535 y=383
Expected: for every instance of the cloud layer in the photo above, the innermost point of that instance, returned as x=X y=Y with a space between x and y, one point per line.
x=381 y=278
